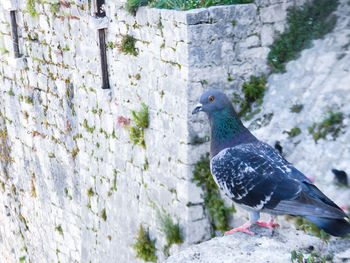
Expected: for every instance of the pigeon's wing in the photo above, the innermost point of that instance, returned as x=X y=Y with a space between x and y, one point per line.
x=252 y=176
x=310 y=197
x=255 y=175
x=309 y=187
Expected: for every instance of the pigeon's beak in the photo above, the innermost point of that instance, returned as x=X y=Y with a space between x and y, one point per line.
x=197 y=108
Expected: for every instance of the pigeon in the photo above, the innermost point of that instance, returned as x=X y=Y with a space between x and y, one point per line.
x=340 y=177
x=257 y=177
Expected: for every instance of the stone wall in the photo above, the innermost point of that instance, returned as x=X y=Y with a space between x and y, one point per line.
x=74 y=187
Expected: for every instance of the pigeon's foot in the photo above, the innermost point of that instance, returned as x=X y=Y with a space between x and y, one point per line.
x=243 y=228
x=269 y=225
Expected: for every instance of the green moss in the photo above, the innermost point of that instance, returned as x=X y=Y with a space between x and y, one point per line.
x=296 y=108
x=110 y=45
x=127 y=45
x=293 y=132
x=87 y=127
x=310 y=21
x=66 y=48
x=59 y=229
x=195 y=140
x=160 y=25
x=22 y=259
x=146 y=164
x=32 y=189
x=114 y=180
x=90 y=192
x=10 y=92
x=103 y=214
x=31 y=8
x=55 y=8
x=132 y=5
x=75 y=152
x=299 y=257
x=254 y=91
x=218 y=213
x=171 y=231
x=140 y=119
x=4 y=51
x=144 y=246
x=28 y=100
x=332 y=124
x=23 y=220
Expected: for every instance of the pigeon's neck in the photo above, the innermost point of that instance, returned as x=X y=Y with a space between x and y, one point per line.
x=227 y=131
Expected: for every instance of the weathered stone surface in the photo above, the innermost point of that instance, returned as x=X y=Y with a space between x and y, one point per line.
x=262 y=247
x=70 y=158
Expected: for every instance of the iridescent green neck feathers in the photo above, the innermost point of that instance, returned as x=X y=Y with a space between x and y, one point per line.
x=225 y=125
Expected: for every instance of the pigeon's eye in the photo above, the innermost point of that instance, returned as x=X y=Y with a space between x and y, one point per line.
x=211 y=98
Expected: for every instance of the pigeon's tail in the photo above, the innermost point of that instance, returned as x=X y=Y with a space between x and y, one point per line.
x=334 y=227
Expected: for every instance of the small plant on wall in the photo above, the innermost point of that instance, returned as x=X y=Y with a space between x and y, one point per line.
x=311 y=21
x=171 y=231
x=253 y=91
x=31 y=8
x=127 y=45
x=140 y=118
x=145 y=246
x=332 y=124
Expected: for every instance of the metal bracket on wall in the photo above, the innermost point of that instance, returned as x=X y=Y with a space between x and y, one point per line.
x=11 y=6
x=14 y=33
x=101 y=15
x=18 y=61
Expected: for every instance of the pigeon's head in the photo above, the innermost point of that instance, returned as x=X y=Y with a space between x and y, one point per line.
x=212 y=101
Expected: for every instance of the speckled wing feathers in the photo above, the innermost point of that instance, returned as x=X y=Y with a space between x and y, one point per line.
x=250 y=174
x=256 y=176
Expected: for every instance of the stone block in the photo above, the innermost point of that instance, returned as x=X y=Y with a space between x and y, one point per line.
x=274 y=13
x=197 y=16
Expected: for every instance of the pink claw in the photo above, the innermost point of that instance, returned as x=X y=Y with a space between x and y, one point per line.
x=269 y=225
x=243 y=228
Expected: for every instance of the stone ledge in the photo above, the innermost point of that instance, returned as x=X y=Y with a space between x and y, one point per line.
x=262 y=247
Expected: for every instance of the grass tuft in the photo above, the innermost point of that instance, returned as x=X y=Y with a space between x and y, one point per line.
x=140 y=119
x=310 y=21
x=31 y=8
x=253 y=91
x=127 y=45
x=144 y=246
x=293 y=132
x=296 y=108
x=171 y=231
x=332 y=124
